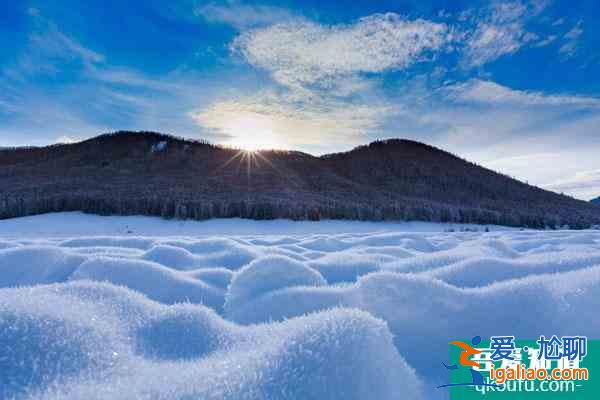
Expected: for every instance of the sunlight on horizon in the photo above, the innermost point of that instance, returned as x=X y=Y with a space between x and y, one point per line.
x=253 y=132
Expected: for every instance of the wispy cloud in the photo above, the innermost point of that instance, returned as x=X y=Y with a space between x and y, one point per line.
x=545 y=42
x=243 y=16
x=569 y=48
x=499 y=30
x=37 y=115
x=48 y=49
x=53 y=43
x=488 y=92
x=107 y=97
x=574 y=33
x=482 y=114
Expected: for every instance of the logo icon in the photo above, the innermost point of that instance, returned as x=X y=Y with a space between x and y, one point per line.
x=464 y=360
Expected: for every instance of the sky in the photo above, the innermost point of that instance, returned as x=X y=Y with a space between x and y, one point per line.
x=511 y=85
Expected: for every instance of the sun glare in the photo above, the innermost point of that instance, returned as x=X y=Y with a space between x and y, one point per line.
x=252 y=132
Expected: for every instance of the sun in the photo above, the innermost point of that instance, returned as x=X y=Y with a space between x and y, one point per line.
x=251 y=131
x=252 y=144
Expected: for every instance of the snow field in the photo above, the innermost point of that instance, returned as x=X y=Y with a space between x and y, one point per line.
x=351 y=315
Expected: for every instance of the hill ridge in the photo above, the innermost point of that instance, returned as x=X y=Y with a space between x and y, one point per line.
x=151 y=173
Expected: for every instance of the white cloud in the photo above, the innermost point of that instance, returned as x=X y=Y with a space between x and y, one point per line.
x=242 y=16
x=54 y=43
x=535 y=160
x=549 y=40
x=481 y=91
x=133 y=79
x=65 y=140
x=569 y=49
x=573 y=171
x=538 y=6
x=583 y=184
x=301 y=54
x=491 y=42
x=575 y=32
x=271 y=119
x=500 y=30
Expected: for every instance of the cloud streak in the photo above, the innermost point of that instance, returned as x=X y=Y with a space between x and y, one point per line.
x=487 y=92
x=243 y=16
x=569 y=48
x=47 y=50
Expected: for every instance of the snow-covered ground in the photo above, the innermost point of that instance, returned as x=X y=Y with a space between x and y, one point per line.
x=75 y=224
x=142 y=308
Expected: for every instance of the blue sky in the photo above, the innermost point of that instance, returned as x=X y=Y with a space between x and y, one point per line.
x=512 y=85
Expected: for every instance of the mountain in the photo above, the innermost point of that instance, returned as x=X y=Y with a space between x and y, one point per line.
x=596 y=201
x=149 y=173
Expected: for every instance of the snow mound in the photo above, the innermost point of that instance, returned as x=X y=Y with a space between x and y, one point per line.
x=219 y=252
x=421 y=311
x=30 y=265
x=268 y=274
x=47 y=339
x=171 y=256
x=340 y=267
x=183 y=332
x=217 y=277
x=135 y=348
x=482 y=271
x=155 y=281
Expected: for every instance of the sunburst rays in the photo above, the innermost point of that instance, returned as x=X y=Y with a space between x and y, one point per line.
x=256 y=159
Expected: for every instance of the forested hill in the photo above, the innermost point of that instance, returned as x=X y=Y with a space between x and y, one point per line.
x=153 y=174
